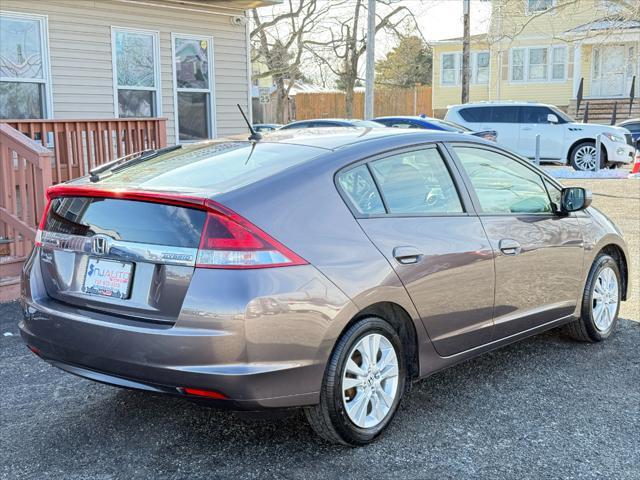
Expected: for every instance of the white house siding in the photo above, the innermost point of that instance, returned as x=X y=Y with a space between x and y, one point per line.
x=81 y=57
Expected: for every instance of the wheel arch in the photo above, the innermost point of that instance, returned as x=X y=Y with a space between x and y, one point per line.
x=569 y=151
x=401 y=321
x=615 y=252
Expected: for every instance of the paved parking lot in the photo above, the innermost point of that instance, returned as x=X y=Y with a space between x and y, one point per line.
x=547 y=407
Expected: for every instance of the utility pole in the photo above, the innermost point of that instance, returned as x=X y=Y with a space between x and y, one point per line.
x=466 y=56
x=371 y=60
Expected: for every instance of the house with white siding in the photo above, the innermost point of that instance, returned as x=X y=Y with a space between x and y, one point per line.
x=183 y=60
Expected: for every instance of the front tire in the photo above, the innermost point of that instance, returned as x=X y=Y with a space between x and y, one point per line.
x=583 y=156
x=600 y=302
x=362 y=386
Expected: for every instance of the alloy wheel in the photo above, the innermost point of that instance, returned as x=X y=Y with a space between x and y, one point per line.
x=604 y=303
x=585 y=157
x=370 y=380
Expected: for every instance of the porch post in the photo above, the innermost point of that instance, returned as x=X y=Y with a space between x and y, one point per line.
x=577 y=67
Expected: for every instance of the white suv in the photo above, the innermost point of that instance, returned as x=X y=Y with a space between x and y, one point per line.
x=562 y=139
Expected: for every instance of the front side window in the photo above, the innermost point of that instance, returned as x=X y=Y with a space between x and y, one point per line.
x=136 y=73
x=23 y=67
x=194 y=87
x=535 y=114
x=502 y=184
x=361 y=190
x=417 y=182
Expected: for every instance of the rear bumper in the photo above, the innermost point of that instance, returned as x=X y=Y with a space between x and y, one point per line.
x=256 y=348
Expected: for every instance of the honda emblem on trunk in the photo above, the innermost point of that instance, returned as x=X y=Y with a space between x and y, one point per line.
x=100 y=245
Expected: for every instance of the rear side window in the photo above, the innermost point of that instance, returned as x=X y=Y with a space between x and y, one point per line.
x=361 y=190
x=476 y=114
x=214 y=167
x=417 y=182
x=505 y=114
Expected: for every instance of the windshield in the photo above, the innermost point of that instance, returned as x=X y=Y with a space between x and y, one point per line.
x=216 y=167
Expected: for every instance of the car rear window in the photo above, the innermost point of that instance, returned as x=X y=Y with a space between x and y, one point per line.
x=216 y=167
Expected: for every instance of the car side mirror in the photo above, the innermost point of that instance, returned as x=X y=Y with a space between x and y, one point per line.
x=552 y=118
x=574 y=199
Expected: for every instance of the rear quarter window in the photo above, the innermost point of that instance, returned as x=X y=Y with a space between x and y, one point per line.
x=476 y=114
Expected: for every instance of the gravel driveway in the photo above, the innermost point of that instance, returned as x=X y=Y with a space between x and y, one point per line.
x=547 y=407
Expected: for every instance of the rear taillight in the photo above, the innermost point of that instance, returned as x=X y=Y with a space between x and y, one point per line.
x=41 y=225
x=230 y=241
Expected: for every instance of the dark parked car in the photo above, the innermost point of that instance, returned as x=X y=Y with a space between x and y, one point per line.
x=266 y=127
x=428 y=123
x=633 y=125
x=319 y=270
x=331 y=122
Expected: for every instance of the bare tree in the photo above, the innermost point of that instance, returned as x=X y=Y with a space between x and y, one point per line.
x=342 y=41
x=278 y=41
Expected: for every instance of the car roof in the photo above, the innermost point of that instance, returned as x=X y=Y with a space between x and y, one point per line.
x=500 y=103
x=339 y=137
x=406 y=117
x=630 y=120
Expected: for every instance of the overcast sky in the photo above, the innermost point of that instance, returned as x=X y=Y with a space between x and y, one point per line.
x=443 y=19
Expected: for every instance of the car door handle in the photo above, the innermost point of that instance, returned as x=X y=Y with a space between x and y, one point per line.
x=407 y=255
x=508 y=246
x=527 y=128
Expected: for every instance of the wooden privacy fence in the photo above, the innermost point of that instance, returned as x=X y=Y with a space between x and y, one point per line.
x=25 y=169
x=80 y=145
x=387 y=101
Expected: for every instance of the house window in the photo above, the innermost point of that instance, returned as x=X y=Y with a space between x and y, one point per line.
x=24 y=67
x=193 y=80
x=452 y=68
x=517 y=64
x=559 y=63
x=136 y=73
x=539 y=5
x=481 y=67
x=538 y=64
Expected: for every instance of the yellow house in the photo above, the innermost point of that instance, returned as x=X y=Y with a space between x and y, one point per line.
x=550 y=51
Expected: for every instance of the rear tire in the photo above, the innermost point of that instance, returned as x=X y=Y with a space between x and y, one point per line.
x=600 y=302
x=354 y=409
x=583 y=156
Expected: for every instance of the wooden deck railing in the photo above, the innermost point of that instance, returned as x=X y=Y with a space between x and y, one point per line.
x=80 y=145
x=25 y=175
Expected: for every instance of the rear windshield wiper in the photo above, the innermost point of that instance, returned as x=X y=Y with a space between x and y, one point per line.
x=128 y=161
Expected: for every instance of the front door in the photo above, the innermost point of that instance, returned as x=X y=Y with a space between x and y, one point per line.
x=534 y=122
x=437 y=247
x=609 y=71
x=539 y=254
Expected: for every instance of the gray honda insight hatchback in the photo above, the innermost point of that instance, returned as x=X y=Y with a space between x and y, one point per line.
x=320 y=269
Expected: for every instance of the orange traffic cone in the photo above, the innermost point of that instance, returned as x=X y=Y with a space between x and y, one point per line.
x=635 y=171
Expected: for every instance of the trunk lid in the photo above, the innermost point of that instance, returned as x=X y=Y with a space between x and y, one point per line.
x=128 y=256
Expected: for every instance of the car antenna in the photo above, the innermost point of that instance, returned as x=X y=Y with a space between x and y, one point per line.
x=255 y=136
